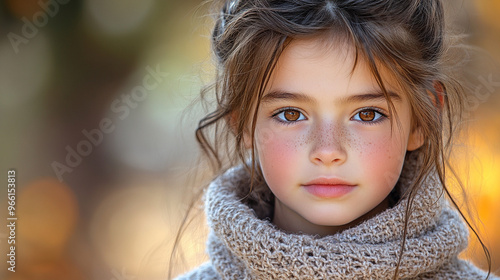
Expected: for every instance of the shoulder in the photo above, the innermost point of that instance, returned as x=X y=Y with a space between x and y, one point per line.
x=459 y=269
x=204 y=272
x=467 y=270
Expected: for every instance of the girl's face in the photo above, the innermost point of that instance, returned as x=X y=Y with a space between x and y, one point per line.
x=324 y=139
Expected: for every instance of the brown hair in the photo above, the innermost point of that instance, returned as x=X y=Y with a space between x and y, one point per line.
x=406 y=37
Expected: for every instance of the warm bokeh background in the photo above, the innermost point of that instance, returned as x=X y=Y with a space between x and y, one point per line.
x=68 y=69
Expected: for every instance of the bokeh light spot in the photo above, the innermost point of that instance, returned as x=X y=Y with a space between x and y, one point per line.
x=49 y=212
x=118 y=17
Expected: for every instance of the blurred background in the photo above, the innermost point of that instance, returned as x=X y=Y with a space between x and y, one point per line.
x=97 y=119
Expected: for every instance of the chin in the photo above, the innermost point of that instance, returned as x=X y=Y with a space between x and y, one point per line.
x=331 y=222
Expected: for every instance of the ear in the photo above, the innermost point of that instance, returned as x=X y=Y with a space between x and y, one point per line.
x=232 y=120
x=437 y=96
x=416 y=139
x=247 y=139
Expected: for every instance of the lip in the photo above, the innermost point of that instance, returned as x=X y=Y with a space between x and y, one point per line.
x=328 y=181
x=328 y=187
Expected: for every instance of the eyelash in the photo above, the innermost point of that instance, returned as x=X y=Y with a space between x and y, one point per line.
x=283 y=110
x=381 y=118
x=378 y=119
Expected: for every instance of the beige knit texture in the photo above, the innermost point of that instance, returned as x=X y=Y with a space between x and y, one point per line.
x=243 y=246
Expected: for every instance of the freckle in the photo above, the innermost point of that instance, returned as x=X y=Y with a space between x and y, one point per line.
x=300 y=141
x=350 y=140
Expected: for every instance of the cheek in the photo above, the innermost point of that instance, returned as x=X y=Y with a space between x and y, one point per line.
x=382 y=159
x=278 y=156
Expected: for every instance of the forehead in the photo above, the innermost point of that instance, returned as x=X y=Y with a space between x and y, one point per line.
x=312 y=47
x=321 y=64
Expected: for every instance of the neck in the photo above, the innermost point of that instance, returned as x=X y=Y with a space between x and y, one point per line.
x=283 y=216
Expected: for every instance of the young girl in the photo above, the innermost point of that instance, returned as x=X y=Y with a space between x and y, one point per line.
x=335 y=117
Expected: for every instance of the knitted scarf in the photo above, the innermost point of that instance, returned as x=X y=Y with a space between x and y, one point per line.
x=244 y=244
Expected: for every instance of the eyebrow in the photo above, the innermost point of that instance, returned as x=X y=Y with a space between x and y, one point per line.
x=283 y=95
x=372 y=96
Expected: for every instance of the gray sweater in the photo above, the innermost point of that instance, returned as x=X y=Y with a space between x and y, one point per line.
x=244 y=244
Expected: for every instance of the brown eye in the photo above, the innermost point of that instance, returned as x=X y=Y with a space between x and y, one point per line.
x=367 y=115
x=291 y=115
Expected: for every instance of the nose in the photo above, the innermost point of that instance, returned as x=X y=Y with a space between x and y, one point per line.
x=328 y=146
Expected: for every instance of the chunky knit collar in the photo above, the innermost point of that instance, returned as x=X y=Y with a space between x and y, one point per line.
x=243 y=246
